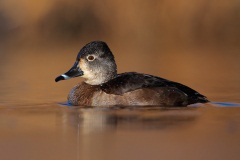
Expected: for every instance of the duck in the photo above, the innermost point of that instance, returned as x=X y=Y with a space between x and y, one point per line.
x=103 y=86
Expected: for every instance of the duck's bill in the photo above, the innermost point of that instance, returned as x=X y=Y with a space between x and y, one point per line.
x=75 y=71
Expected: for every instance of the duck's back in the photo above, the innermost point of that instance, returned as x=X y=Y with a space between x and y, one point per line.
x=151 y=90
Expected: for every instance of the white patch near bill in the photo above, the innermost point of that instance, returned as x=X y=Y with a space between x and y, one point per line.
x=65 y=76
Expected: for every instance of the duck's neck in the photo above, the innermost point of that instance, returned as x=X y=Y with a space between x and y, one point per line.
x=100 y=78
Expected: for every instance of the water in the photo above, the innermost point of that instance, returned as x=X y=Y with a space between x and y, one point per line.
x=35 y=124
x=54 y=132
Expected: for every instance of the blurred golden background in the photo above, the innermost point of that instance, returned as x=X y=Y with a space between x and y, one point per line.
x=196 y=43
x=193 y=42
x=202 y=23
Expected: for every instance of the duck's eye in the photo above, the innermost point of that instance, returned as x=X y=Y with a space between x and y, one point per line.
x=90 y=58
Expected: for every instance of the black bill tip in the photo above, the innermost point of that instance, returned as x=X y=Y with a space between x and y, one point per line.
x=59 y=78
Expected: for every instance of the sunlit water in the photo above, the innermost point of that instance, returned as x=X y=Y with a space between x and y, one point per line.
x=36 y=124
x=56 y=132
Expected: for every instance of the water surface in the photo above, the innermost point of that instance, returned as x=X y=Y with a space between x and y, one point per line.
x=34 y=124
x=54 y=132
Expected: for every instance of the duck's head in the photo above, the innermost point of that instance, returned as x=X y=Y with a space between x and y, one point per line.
x=95 y=62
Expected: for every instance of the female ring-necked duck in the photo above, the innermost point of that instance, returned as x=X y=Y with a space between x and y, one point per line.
x=104 y=87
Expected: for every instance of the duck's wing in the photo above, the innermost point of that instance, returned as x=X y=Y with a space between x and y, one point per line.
x=131 y=81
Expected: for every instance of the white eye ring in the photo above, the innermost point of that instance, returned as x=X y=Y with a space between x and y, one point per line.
x=90 y=58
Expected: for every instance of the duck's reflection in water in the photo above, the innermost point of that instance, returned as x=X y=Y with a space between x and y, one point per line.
x=87 y=120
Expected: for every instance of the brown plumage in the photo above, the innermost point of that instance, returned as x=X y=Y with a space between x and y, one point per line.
x=104 y=87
